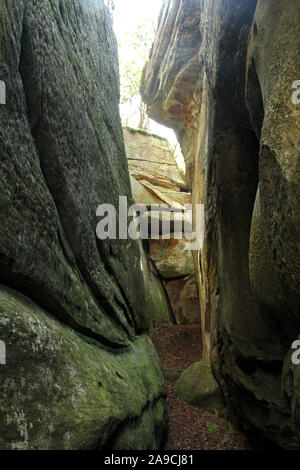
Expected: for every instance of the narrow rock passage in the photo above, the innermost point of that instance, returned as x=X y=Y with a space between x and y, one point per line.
x=190 y=428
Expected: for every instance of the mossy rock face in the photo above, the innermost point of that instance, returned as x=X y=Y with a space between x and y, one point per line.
x=61 y=390
x=277 y=65
x=198 y=387
x=157 y=302
x=62 y=155
x=266 y=287
x=156 y=307
x=80 y=372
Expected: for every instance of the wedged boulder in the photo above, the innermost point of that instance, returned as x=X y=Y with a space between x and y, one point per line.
x=175 y=199
x=150 y=157
x=152 y=165
x=153 y=177
x=171 y=257
x=62 y=155
x=157 y=182
x=142 y=195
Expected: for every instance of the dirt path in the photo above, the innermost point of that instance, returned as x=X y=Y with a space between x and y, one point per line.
x=190 y=428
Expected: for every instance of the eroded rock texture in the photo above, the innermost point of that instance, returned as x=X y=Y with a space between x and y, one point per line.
x=80 y=372
x=221 y=74
x=158 y=183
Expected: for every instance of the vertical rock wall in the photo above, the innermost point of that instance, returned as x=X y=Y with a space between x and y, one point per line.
x=80 y=371
x=221 y=73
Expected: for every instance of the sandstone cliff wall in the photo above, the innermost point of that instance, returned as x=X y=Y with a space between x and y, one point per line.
x=221 y=73
x=80 y=371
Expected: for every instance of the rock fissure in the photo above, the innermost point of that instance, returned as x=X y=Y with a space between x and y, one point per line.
x=78 y=369
x=237 y=128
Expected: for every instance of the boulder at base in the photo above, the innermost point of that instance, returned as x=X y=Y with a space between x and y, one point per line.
x=198 y=387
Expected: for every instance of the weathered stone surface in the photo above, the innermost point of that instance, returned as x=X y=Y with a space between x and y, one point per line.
x=62 y=390
x=183 y=295
x=171 y=258
x=142 y=195
x=174 y=199
x=239 y=130
x=152 y=153
x=61 y=175
x=62 y=154
x=197 y=386
x=279 y=145
x=266 y=287
x=157 y=181
x=169 y=80
x=156 y=298
x=153 y=165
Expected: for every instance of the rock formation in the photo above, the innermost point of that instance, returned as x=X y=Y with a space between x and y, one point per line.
x=156 y=183
x=221 y=74
x=80 y=373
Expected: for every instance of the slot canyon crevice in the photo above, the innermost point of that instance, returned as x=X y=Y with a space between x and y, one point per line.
x=112 y=344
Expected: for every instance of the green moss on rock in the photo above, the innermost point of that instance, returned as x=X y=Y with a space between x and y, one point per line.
x=60 y=392
x=198 y=387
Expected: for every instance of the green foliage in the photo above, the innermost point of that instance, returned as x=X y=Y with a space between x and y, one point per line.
x=212 y=427
x=225 y=440
x=134 y=48
x=130 y=75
